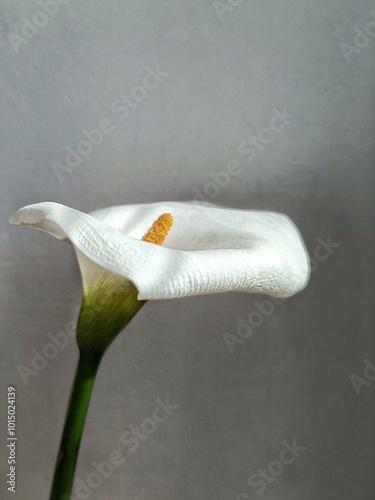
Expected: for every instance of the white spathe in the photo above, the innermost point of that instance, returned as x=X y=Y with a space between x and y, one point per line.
x=209 y=249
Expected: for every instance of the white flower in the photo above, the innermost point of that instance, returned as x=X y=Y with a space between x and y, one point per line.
x=209 y=249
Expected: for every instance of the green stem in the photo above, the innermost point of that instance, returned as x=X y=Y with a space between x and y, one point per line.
x=107 y=307
x=75 y=420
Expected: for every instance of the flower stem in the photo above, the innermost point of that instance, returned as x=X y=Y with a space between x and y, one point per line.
x=75 y=420
x=107 y=307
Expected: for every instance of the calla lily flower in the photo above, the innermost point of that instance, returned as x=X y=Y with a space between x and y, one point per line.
x=209 y=249
x=206 y=249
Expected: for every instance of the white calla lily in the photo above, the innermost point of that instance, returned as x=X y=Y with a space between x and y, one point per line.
x=209 y=249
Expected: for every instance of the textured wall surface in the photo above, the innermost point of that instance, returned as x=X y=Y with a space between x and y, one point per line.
x=224 y=70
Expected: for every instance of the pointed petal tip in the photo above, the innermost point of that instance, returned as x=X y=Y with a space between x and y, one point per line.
x=27 y=215
x=13 y=221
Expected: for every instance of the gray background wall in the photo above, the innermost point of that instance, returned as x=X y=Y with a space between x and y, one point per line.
x=291 y=379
